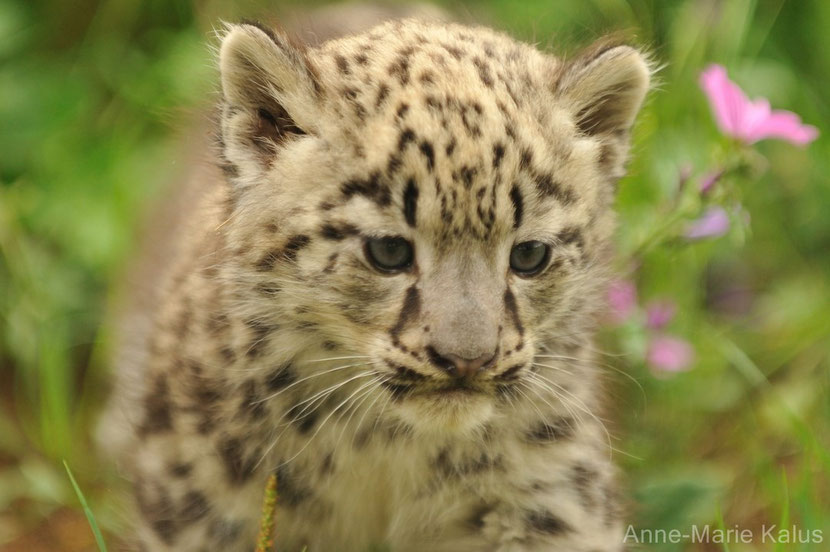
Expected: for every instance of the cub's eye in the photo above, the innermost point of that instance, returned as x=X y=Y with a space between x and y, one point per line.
x=529 y=258
x=389 y=254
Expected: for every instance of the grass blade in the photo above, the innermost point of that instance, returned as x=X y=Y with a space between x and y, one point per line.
x=99 y=538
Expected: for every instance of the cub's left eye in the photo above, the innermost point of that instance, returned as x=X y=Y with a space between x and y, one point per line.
x=390 y=254
x=529 y=258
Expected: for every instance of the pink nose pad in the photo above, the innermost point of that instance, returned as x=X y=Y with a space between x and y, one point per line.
x=466 y=367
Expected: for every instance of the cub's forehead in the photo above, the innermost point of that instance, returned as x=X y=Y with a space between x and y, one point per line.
x=376 y=72
x=450 y=125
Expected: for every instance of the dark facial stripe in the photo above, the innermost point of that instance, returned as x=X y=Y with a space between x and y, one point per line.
x=410 y=309
x=510 y=306
x=338 y=231
x=518 y=206
x=410 y=202
x=370 y=187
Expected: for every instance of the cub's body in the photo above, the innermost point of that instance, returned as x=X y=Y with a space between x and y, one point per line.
x=447 y=403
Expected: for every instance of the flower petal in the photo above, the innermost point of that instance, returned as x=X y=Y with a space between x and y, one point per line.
x=669 y=354
x=660 y=313
x=622 y=300
x=713 y=223
x=727 y=100
x=785 y=125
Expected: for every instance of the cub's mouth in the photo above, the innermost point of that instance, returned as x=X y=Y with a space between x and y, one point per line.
x=457 y=388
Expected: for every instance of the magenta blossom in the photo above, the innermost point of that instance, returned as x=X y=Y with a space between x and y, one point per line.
x=669 y=354
x=713 y=223
x=660 y=313
x=622 y=298
x=750 y=120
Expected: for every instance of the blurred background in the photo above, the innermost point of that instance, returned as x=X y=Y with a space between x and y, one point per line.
x=101 y=101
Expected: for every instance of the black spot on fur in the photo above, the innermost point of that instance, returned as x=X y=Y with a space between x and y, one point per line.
x=398 y=390
x=383 y=92
x=338 y=231
x=194 y=506
x=280 y=378
x=467 y=174
x=291 y=491
x=261 y=332
x=546 y=432
x=288 y=253
x=483 y=72
x=342 y=64
x=571 y=235
x=450 y=149
x=476 y=519
x=583 y=479
x=526 y=160
x=393 y=165
x=157 y=508
x=305 y=421
x=252 y=405
x=510 y=306
x=429 y=153
x=157 y=408
x=518 y=206
x=545 y=522
x=181 y=469
x=400 y=69
x=238 y=467
x=498 y=154
x=407 y=137
x=410 y=202
x=370 y=188
x=550 y=187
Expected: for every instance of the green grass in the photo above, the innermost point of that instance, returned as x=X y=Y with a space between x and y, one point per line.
x=99 y=538
x=98 y=103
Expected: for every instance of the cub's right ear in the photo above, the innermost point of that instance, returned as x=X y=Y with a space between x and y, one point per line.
x=271 y=91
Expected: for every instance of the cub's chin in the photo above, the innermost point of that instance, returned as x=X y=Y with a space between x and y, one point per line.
x=448 y=410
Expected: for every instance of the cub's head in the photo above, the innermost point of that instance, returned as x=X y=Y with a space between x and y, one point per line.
x=431 y=201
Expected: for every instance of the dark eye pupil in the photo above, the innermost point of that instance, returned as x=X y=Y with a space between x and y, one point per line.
x=389 y=253
x=528 y=257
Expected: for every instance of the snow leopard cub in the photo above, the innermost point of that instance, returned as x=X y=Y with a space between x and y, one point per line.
x=387 y=299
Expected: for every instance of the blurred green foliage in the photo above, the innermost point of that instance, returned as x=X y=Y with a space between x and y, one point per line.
x=96 y=97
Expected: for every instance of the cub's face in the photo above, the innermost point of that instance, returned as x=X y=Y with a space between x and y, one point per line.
x=429 y=202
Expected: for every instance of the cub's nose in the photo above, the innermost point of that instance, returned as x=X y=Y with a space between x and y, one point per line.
x=458 y=366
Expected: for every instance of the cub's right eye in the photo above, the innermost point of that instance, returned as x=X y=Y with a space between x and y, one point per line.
x=389 y=254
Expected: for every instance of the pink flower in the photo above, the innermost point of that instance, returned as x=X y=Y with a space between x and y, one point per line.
x=750 y=120
x=713 y=223
x=622 y=298
x=659 y=313
x=669 y=354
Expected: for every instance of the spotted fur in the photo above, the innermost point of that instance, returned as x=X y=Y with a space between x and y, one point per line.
x=454 y=405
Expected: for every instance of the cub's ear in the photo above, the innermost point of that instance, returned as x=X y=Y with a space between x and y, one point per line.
x=270 y=88
x=603 y=89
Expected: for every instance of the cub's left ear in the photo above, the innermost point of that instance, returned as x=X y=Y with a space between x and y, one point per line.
x=603 y=89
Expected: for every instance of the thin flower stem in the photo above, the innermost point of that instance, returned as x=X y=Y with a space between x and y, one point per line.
x=265 y=540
